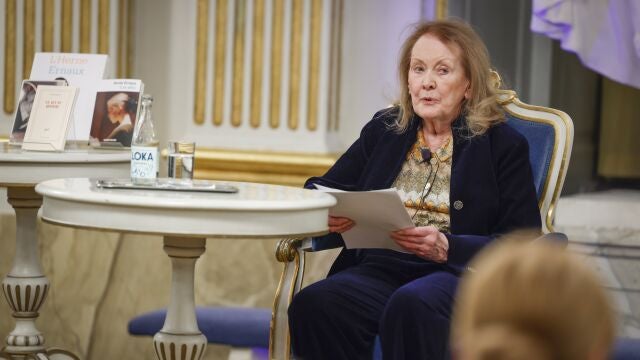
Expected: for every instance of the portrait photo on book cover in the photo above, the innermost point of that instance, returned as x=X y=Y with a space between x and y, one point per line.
x=23 y=110
x=114 y=117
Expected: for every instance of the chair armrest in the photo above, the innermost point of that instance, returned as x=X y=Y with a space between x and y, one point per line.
x=291 y=252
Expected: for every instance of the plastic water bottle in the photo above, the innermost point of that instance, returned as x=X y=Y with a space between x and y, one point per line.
x=144 y=147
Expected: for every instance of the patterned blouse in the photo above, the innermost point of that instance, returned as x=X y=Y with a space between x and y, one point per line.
x=424 y=186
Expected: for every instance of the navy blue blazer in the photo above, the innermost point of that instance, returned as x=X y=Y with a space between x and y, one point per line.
x=491 y=179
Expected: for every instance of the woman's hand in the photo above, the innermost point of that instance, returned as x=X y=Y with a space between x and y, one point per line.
x=339 y=224
x=425 y=241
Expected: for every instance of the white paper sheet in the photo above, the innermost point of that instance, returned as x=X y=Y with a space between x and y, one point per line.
x=376 y=213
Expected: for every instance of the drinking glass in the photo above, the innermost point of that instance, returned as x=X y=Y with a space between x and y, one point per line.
x=180 y=160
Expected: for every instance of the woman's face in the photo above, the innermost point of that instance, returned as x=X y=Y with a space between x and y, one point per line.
x=437 y=81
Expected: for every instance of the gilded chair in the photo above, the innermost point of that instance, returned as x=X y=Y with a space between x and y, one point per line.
x=550 y=136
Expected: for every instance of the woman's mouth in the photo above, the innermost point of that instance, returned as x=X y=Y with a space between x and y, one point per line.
x=428 y=100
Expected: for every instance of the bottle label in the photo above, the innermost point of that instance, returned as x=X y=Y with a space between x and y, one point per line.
x=144 y=162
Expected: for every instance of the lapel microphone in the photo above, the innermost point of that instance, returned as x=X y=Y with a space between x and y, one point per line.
x=426 y=154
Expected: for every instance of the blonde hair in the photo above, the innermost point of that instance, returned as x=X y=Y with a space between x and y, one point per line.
x=531 y=301
x=481 y=109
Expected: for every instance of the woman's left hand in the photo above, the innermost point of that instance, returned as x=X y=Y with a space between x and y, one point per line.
x=425 y=241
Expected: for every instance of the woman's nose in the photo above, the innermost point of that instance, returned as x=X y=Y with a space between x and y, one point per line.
x=428 y=82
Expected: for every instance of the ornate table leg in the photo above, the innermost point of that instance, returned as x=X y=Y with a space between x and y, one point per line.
x=26 y=287
x=180 y=337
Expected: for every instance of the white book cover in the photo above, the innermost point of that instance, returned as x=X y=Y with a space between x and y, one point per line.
x=80 y=70
x=115 y=112
x=50 y=116
x=23 y=110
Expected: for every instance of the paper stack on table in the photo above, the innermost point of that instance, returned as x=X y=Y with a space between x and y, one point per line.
x=376 y=213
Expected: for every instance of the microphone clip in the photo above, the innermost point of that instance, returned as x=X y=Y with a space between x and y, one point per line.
x=426 y=154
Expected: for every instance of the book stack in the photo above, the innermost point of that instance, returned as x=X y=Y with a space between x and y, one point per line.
x=66 y=98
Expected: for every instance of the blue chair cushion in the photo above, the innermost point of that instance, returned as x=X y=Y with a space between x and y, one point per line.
x=541 y=139
x=237 y=327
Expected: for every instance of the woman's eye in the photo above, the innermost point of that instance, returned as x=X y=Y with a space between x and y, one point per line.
x=443 y=71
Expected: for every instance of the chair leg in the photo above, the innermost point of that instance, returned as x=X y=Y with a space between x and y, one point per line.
x=288 y=251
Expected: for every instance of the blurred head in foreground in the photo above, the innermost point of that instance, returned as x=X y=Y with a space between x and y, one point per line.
x=531 y=301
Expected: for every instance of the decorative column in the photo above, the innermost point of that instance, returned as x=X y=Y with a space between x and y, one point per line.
x=180 y=337
x=25 y=287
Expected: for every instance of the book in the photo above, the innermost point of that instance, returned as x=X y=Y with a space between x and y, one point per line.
x=376 y=213
x=115 y=112
x=50 y=116
x=23 y=110
x=80 y=70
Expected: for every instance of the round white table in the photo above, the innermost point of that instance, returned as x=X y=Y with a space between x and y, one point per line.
x=26 y=287
x=185 y=220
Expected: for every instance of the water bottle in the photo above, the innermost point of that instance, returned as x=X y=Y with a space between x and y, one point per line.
x=144 y=147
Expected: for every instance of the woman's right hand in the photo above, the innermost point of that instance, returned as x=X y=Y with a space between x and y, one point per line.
x=338 y=224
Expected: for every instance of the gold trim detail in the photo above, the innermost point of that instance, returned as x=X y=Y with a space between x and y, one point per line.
x=314 y=64
x=130 y=37
x=123 y=31
x=256 y=65
x=47 y=25
x=276 y=62
x=202 y=39
x=221 y=25
x=103 y=26
x=334 y=80
x=254 y=166
x=286 y=252
x=28 y=42
x=66 y=28
x=512 y=97
x=442 y=9
x=9 y=56
x=297 y=13
x=238 y=63
x=85 y=26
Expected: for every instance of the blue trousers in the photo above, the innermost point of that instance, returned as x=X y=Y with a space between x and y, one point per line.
x=407 y=304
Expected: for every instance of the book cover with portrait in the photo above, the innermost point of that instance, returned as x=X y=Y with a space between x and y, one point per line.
x=25 y=104
x=115 y=112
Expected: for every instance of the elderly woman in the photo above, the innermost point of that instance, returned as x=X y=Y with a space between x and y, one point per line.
x=531 y=301
x=464 y=177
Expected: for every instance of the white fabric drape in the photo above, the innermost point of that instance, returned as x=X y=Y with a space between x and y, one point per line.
x=605 y=34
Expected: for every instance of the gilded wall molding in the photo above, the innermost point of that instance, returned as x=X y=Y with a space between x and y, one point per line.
x=85 y=26
x=47 y=25
x=9 y=56
x=258 y=166
x=66 y=26
x=42 y=36
x=314 y=63
x=220 y=49
x=202 y=23
x=240 y=9
x=299 y=65
x=257 y=62
x=276 y=62
x=29 y=21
